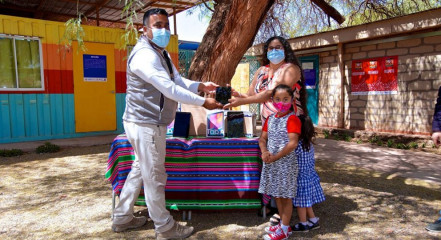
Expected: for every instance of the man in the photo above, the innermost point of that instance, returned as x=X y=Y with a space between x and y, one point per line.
x=153 y=89
x=436 y=137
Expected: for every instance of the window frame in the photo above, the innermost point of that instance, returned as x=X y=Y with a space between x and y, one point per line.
x=40 y=51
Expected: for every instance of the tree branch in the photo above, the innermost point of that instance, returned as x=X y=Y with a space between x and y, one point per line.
x=329 y=10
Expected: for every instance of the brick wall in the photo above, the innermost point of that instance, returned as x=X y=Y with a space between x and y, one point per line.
x=409 y=111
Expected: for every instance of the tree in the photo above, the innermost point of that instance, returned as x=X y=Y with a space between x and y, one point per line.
x=232 y=29
x=230 y=33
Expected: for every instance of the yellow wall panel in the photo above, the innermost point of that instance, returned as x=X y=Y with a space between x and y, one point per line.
x=38 y=29
x=98 y=35
x=10 y=26
x=25 y=28
x=52 y=33
x=1 y=25
x=108 y=36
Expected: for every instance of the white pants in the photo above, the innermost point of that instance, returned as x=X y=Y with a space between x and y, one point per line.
x=148 y=142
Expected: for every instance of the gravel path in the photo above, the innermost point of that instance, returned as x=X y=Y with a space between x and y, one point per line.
x=65 y=196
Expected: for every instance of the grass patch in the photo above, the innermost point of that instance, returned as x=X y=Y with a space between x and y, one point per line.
x=48 y=147
x=10 y=152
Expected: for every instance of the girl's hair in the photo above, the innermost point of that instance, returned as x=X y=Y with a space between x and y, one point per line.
x=283 y=87
x=307 y=136
x=290 y=57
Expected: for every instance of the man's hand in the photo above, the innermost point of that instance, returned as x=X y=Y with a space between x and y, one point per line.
x=207 y=87
x=210 y=103
x=436 y=138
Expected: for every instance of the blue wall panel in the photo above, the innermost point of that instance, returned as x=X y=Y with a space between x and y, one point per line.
x=56 y=105
x=17 y=116
x=5 y=121
x=44 y=115
x=30 y=112
x=33 y=117
x=69 y=113
x=120 y=107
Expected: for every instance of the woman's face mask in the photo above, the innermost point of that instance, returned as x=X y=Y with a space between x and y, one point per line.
x=276 y=56
x=161 y=37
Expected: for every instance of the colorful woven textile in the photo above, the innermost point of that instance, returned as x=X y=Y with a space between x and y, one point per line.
x=202 y=173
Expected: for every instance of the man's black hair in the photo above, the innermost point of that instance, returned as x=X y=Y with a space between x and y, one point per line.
x=153 y=11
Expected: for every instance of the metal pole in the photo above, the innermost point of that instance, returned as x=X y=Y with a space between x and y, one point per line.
x=174 y=21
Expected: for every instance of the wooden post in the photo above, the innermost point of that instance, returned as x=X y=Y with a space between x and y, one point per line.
x=341 y=66
x=97 y=17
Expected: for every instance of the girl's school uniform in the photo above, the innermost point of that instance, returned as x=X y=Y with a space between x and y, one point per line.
x=309 y=190
x=279 y=178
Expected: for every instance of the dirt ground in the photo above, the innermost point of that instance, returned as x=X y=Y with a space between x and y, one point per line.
x=65 y=196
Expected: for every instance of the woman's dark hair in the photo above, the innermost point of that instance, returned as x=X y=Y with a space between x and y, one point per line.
x=290 y=57
x=152 y=11
x=308 y=133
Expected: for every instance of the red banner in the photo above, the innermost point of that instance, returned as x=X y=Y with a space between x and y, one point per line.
x=374 y=76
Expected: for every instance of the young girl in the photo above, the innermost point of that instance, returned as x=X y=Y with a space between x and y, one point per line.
x=309 y=191
x=279 y=139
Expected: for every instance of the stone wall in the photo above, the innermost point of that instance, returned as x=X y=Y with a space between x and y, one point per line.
x=409 y=111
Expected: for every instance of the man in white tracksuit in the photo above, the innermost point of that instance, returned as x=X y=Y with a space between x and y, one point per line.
x=154 y=87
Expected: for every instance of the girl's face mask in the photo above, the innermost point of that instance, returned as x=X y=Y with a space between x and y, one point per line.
x=282 y=107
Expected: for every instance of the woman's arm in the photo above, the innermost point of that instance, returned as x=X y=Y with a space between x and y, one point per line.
x=290 y=76
x=251 y=90
x=290 y=146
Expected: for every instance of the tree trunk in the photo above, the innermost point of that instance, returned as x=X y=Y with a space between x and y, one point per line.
x=231 y=32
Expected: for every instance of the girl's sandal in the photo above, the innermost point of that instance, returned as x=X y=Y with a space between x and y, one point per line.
x=275 y=220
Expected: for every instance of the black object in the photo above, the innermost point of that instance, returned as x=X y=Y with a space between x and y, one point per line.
x=223 y=94
x=182 y=124
x=235 y=124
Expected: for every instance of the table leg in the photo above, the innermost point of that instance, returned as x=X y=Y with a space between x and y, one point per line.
x=113 y=203
x=184 y=213
x=264 y=212
x=189 y=215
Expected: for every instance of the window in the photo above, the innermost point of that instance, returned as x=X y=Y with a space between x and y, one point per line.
x=20 y=63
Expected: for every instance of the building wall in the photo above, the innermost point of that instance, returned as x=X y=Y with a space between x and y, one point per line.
x=50 y=113
x=409 y=111
x=419 y=77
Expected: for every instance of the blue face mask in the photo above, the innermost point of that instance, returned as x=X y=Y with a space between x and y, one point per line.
x=276 y=56
x=161 y=37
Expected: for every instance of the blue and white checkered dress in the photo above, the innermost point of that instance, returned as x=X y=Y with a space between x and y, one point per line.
x=309 y=191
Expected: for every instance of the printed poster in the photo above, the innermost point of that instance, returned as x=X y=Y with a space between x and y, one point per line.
x=374 y=76
x=309 y=73
x=95 y=68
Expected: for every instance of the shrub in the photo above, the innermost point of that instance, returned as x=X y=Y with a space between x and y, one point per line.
x=413 y=145
x=373 y=139
x=380 y=143
x=359 y=141
x=390 y=143
x=346 y=137
x=48 y=148
x=326 y=133
x=10 y=152
x=402 y=146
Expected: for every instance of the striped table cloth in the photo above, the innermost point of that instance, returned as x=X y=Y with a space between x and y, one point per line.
x=202 y=173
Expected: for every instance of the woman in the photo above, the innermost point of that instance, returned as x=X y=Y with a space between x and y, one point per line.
x=280 y=66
